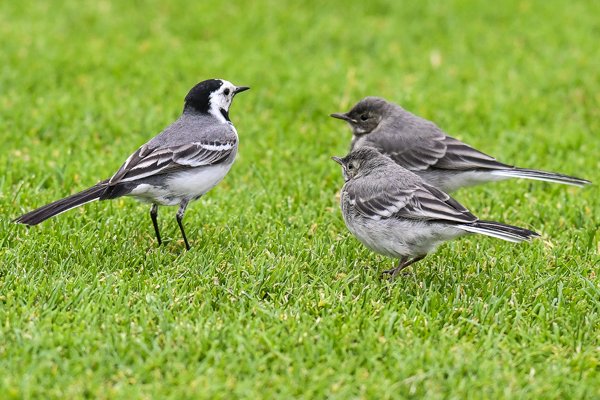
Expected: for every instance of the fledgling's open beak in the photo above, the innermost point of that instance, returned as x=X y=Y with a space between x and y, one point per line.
x=341 y=116
x=338 y=160
x=240 y=89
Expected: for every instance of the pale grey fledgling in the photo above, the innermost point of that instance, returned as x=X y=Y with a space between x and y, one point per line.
x=421 y=147
x=182 y=163
x=395 y=213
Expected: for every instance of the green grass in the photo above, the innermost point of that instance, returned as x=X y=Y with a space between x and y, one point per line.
x=276 y=299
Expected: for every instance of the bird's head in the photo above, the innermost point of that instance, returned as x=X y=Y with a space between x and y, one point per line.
x=361 y=162
x=212 y=96
x=366 y=115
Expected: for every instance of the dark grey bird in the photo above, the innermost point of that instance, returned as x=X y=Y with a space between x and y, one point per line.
x=394 y=212
x=181 y=164
x=423 y=148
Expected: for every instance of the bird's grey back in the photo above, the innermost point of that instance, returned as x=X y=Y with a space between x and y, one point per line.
x=383 y=171
x=194 y=128
x=404 y=124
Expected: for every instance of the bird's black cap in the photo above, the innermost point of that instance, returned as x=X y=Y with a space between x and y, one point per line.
x=198 y=96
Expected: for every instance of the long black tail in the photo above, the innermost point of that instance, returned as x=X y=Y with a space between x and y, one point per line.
x=50 y=210
x=501 y=231
x=541 y=176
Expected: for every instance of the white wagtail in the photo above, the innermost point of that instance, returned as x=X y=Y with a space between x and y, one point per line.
x=421 y=147
x=393 y=212
x=182 y=163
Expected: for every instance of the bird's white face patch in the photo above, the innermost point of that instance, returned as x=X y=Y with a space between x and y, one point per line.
x=220 y=101
x=359 y=130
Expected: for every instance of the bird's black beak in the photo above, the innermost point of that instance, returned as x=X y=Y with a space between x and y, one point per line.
x=240 y=89
x=338 y=160
x=341 y=116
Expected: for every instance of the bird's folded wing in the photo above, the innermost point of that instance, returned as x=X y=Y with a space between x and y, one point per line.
x=429 y=203
x=147 y=162
x=378 y=200
x=460 y=156
x=435 y=150
x=413 y=153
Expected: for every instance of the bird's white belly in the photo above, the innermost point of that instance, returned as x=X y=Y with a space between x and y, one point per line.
x=183 y=185
x=197 y=181
x=397 y=238
x=450 y=181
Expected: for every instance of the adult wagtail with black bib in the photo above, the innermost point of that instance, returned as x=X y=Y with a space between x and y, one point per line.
x=181 y=164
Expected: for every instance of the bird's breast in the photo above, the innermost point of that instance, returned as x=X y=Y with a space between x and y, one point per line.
x=195 y=182
x=189 y=184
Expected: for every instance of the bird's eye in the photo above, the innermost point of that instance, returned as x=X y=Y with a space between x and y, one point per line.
x=350 y=166
x=226 y=92
x=364 y=117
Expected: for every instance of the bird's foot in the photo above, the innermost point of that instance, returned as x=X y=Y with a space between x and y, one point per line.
x=391 y=274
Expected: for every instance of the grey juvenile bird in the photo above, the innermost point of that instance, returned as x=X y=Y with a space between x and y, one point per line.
x=182 y=163
x=394 y=212
x=421 y=147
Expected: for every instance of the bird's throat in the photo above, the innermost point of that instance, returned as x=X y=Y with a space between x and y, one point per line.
x=225 y=114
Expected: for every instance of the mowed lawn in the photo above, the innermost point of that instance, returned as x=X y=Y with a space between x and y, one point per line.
x=276 y=299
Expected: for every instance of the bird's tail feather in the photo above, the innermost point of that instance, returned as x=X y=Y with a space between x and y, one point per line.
x=501 y=231
x=541 y=176
x=50 y=210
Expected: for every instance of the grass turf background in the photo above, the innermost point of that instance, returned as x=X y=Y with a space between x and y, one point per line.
x=276 y=298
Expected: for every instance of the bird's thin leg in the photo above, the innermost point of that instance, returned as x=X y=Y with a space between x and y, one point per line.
x=402 y=264
x=179 y=216
x=411 y=262
x=154 y=215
